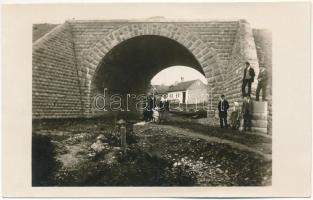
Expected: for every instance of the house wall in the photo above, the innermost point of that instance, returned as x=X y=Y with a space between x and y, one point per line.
x=197 y=93
x=196 y=96
x=175 y=96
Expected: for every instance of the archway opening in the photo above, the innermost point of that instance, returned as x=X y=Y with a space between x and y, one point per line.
x=184 y=87
x=180 y=83
x=129 y=67
x=174 y=74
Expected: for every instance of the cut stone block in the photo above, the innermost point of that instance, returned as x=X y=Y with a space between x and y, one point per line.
x=259 y=107
x=260 y=130
x=259 y=116
x=259 y=123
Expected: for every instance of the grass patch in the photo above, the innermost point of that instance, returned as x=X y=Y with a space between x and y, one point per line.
x=251 y=140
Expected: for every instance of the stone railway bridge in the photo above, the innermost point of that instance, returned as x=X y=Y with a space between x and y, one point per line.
x=76 y=60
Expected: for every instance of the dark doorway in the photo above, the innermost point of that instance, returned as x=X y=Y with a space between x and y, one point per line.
x=184 y=97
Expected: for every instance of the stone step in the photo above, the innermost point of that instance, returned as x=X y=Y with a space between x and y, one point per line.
x=259 y=116
x=259 y=107
x=258 y=129
x=259 y=123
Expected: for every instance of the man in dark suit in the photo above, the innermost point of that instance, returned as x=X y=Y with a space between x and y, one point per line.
x=222 y=111
x=164 y=108
x=166 y=103
x=247 y=113
x=262 y=83
x=150 y=104
x=248 y=78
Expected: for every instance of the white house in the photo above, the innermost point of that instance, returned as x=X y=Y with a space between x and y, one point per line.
x=189 y=92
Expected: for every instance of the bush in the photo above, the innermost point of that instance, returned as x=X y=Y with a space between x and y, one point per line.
x=136 y=168
x=44 y=164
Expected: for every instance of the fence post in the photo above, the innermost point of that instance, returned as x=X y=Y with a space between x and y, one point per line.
x=122 y=124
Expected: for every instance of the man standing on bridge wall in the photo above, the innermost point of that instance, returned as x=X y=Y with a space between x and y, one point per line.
x=248 y=78
x=262 y=83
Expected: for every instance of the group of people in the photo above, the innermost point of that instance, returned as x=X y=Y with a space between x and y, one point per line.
x=248 y=79
x=246 y=109
x=154 y=112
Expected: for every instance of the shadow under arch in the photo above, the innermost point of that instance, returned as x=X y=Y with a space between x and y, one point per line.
x=146 y=49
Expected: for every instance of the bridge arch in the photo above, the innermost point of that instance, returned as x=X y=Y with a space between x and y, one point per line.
x=205 y=57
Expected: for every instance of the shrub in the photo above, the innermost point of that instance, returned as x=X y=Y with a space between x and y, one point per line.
x=44 y=164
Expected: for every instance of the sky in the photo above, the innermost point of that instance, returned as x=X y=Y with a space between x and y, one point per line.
x=170 y=75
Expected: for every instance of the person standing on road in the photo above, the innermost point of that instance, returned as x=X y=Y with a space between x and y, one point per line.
x=164 y=108
x=222 y=110
x=262 y=83
x=151 y=106
x=247 y=113
x=248 y=78
x=235 y=117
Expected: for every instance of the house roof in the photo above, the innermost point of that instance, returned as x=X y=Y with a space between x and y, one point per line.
x=182 y=86
x=160 y=89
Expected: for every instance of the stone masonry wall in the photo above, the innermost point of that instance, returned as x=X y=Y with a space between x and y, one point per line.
x=93 y=38
x=39 y=30
x=263 y=42
x=62 y=75
x=56 y=91
x=219 y=35
x=243 y=50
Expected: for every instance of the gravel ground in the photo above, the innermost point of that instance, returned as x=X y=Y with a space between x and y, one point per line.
x=215 y=163
x=157 y=155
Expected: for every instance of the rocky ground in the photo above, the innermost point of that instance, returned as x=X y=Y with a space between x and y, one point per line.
x=88 y=153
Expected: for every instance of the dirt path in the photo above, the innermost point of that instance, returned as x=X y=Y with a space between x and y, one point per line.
x=183 y=132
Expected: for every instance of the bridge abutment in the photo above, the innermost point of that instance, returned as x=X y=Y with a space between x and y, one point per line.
x=68 y=60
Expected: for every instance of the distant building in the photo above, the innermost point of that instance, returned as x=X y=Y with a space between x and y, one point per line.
x=159 y=89
x=189 y=92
